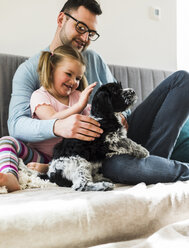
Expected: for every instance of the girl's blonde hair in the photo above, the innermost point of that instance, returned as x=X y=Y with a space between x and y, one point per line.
x=49 y=61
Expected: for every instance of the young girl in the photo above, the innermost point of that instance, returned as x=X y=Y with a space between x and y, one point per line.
x=64 y=92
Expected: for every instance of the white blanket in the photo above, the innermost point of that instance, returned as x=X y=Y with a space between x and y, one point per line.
x=172 y=236
x=130 y=216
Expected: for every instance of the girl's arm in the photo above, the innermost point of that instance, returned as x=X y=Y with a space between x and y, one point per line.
x=47 y=112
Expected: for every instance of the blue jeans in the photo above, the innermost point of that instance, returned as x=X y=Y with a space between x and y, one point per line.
x=155 y=124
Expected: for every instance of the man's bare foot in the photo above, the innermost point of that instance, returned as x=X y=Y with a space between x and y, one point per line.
x=42 y=168
x=9 y=181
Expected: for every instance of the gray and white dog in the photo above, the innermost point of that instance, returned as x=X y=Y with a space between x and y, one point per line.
x=76 y=163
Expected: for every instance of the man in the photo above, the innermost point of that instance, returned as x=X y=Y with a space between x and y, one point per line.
x=79 y=35
x=153 y=124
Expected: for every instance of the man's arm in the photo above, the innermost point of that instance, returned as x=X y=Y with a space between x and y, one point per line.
x=97 y=70
x=20 y=124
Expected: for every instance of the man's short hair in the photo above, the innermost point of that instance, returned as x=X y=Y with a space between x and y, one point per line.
x=92 y=5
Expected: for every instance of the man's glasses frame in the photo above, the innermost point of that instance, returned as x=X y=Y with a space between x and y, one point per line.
x=82 y=28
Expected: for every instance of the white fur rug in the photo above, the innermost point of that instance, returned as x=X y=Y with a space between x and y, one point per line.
x=28 y=179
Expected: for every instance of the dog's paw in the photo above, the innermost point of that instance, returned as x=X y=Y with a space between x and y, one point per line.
x=145 y=153
x=108 y=186
x=99 y=186
x=142 y=153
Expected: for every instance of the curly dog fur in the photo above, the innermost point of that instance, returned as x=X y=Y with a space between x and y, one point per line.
x=76 y=162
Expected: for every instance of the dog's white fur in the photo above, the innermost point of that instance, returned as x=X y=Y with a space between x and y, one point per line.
x=132 y=147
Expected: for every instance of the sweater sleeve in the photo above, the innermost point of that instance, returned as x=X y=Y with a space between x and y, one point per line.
x=97 y=70
x=20 y=123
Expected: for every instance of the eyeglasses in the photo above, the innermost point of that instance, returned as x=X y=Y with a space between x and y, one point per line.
x=82 y=28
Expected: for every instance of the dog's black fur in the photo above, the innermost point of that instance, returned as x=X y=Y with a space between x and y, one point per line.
x=108 y=100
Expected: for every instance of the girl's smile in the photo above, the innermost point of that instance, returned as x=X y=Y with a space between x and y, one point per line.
x=67 y=86
x=66 y=77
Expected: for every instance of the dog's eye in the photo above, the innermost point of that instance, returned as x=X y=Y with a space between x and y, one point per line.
x=117 y=91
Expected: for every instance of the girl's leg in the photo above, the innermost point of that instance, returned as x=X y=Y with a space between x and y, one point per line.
x=8 y=155
x=10 y=150
x=8 y=164
x=157 y=121
x=10 y=181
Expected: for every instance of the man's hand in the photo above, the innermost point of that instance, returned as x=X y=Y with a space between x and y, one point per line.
x=79 y=127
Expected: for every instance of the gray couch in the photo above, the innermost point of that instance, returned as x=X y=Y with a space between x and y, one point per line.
x=142 y=80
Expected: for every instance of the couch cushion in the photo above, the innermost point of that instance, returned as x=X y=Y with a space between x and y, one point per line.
x=8 y=66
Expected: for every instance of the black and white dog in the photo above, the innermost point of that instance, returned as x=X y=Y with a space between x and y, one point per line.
x=77 y=162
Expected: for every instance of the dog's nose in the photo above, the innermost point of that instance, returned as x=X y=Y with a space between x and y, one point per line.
x=129 y=92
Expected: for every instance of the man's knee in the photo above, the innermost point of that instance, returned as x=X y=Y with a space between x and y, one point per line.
x=182 y=75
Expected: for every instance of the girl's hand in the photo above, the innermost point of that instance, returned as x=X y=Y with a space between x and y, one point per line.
x=85 y=94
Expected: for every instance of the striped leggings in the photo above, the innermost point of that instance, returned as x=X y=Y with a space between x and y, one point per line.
x=12 y=149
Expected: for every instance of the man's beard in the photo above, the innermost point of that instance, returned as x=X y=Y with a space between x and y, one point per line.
x=75 y=43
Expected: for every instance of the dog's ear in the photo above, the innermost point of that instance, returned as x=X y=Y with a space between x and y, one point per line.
x=101 y=104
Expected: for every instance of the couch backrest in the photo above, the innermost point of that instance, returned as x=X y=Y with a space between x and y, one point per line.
x=142 y=80
x=8 y=66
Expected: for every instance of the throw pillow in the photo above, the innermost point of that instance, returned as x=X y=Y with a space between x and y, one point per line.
x=181 y=149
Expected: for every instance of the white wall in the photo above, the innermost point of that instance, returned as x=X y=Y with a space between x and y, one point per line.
x=128 y=35
x=183 y=34
x=134 y=38
x=27 y=25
